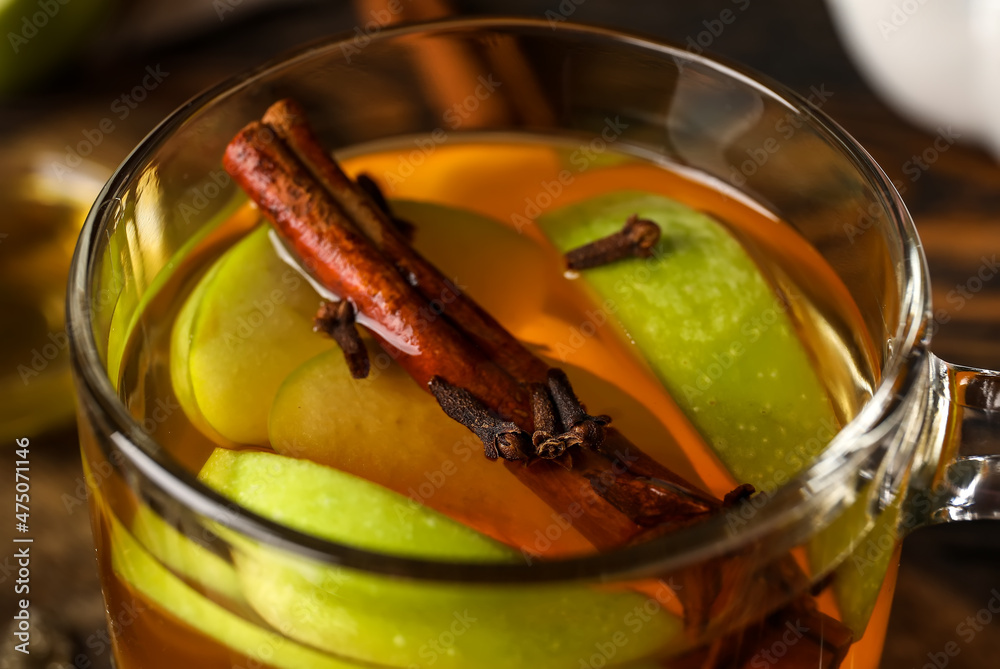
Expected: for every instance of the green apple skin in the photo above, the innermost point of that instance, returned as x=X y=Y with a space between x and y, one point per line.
x=183 y=556
x=181 y=337
x=860 y=549
x=707 y=321
x=134 y=296
x=399 y=622
x=145 y=574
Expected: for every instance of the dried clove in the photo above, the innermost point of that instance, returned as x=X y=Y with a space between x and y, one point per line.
x=500 y=437
x=336 y=320
x=636 y=239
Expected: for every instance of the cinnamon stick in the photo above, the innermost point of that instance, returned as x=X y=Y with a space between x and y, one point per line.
x=288 y=121
x=617 y=494
x=324 y=235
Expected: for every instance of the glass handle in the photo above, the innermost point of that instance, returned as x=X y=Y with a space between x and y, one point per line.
x=967 y=485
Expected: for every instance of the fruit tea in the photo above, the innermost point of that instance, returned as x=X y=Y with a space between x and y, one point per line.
x=733 y=334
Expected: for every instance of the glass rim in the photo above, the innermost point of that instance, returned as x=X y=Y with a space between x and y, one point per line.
x=849 y=448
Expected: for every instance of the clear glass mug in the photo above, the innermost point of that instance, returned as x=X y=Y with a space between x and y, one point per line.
x=917 y=449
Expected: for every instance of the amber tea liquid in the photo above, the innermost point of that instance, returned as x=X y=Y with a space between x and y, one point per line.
x=511 y=181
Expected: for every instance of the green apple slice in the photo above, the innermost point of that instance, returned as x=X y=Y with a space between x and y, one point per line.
x=703 y=315
x=711 y=327
x=184 y=556
x=860 y=549
x=341 y=507
x=245 y=327
x=399 y=622
x=135 y=296
x=388 y=430
x=142 y=572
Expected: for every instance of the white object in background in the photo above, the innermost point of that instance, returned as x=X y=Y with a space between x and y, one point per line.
x=936 y=61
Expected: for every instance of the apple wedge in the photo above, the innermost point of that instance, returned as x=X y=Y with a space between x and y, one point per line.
x=243 y=329
x=704 y=317
x=388 y=430
x=707 y=321
x=400 y=622
x=145 y=574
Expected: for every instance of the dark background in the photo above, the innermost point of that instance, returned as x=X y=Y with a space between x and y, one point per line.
x=948 y=572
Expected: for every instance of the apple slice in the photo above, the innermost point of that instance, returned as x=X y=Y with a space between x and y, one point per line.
x=145 y=574
x=703 y=315
x=484 y=258
x=248 y=323
x=706 y=319
x=395 y=621
x=245 y=327
x=387 y=429
x=184 y=556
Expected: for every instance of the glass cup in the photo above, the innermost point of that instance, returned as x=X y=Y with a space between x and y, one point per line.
x=192 y=577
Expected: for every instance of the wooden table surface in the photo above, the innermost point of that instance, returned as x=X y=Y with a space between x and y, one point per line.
x=948 y=572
